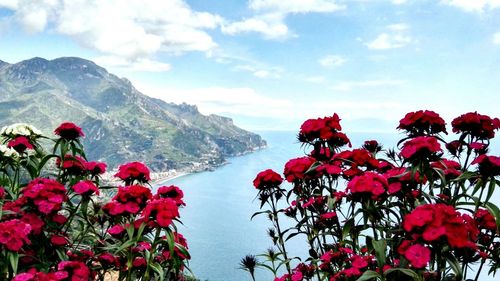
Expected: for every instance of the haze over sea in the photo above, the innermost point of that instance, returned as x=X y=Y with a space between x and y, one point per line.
x=220 y=203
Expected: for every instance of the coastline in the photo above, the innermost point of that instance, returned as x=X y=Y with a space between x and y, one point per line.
x=162 y=177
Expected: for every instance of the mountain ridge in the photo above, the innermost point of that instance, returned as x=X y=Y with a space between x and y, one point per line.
x=121 y=123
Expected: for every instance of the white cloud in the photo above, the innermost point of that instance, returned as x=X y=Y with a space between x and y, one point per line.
x=473 y=5
x=332 y=60
x=496 y=38
x=270 y=16
x=261 y=72
x=396 y=37
x=295 y=6
x=142 y=64
x=9 y=4
x=220 y=100
x=399 y=2
x=349 y=85
x=398 y=27
x=272 y=27
x=389 y=41
x=131 y=29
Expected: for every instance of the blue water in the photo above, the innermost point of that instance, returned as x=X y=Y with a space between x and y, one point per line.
x=220 y=203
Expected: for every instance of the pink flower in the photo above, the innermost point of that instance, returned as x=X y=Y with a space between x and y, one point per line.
x=45 y=194
x=418 y=255
x=95 y=168
x=14 y=234
x=162 y=210
x=370 y=183
x=85 y=187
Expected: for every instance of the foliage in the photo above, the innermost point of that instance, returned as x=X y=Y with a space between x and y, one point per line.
x=59 y=222
x=410 y=214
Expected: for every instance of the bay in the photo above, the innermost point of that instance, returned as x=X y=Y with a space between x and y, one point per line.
x=220 y=203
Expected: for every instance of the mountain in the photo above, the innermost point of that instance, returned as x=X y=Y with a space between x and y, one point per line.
x=121 y=124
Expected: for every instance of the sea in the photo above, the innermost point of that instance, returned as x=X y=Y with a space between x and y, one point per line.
x=219 y=205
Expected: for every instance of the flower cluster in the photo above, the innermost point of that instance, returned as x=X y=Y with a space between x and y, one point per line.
x=58 y=223
x=411 y=215
x=422 y=122
x=476 y=125
x=433 y=222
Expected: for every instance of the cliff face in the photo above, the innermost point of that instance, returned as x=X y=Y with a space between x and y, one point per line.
x=121 y=124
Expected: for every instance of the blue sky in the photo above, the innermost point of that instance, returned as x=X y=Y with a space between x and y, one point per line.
x=270 y=64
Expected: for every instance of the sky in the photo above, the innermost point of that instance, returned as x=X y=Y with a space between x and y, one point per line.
x=271 y=64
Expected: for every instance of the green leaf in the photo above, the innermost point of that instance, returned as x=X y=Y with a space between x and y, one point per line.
x=380 y=247
x=347 y=228
x=405 y=271
x=491 y=190
x=495 y=211
x=455 y=265
x=14 y=261
x=368 y=275
x=157 y=268
x=259 y=213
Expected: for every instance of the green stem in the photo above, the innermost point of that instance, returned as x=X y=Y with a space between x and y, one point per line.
x=151 y=254
x=280 y=236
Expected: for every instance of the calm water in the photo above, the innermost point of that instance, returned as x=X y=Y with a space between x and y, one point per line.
x=220 y=204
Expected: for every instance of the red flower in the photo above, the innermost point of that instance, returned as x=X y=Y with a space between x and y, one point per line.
x=295 y=169
x=14 y=234
x=163 y=210
x=450 y=168
x=476 y=125
x=75 y=270
x=358 y=158
x=20 y=144
x=133 y=171
x=139 y=262
x=34 y=221
x=69 y=131
x=434 y=221
x=129 y=199
x=422 y=122
x=267 y=179
x=58 y=240
x=370 y=183
x=108 y=260
x=420 y=147
x=372 y=146
x=116 y=231
x=454 y=147
x=485 y=220
x=418 y=255
x=72 y=164
x=95 y=168
x=45 y=194
x=488 y=165
x=85 y=187
x=322 y=128
x=171 y=191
